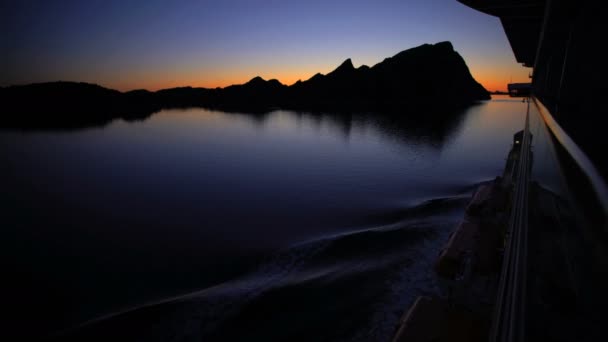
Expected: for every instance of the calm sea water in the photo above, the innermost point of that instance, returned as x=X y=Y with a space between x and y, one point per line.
x=200 y=224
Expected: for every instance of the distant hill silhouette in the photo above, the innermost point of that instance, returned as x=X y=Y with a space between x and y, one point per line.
x=428 y=76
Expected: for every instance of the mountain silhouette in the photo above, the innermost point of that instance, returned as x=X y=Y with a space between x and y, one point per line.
x=428 y=76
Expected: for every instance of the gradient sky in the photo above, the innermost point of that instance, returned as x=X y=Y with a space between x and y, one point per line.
x=160 y=44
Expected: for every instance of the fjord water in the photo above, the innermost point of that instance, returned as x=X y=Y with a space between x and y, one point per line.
x=195 y=222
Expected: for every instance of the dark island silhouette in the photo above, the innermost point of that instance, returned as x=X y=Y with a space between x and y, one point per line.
x=433 y=77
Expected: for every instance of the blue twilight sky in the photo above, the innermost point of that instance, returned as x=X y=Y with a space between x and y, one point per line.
x=158 y=44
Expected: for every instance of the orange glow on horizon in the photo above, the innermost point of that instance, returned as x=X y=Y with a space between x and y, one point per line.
x=209 y=81
x=490 y=84
x=492 y=78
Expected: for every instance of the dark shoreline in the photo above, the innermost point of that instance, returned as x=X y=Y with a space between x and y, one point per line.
x=430 y=77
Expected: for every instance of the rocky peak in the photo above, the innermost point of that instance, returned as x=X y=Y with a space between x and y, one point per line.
x=346 y=66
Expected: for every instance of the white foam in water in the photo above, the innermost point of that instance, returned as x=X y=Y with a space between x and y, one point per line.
x=414 y=280
x=199 y=314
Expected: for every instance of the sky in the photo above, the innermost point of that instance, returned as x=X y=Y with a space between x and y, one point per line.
x=157 y=44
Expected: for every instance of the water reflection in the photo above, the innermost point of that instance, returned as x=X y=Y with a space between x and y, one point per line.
x=432 y=129
x=108 y=218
